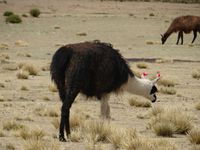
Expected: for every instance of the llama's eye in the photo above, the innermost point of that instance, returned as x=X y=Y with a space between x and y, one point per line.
x=153 y=90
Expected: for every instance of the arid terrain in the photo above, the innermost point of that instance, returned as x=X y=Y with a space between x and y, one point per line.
x=132 y=27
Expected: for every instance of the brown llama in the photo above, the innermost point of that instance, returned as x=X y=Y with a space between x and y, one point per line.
x=182 y=24
x=94 y=69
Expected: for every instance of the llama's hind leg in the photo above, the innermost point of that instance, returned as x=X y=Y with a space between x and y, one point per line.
x=105 y=108
x=70 y=95
x=195 y=35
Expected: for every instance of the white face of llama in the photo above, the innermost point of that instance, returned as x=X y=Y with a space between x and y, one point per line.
x=150 y=88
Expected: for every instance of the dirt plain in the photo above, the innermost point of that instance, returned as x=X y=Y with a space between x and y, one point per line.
x=128 y=26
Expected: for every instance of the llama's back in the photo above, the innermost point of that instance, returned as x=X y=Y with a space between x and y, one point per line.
x=185 y=23
x=96 y=68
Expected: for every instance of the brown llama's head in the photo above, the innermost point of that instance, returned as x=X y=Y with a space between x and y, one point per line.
x=163 y=39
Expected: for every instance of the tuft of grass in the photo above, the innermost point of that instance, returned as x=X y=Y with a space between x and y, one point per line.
x=172 y=120
x=194 y=135
x=24 y=88
x=32 y=70
x=196 y=75
x=167 y=90
x=35 y=12
x=76 y=121
x=8 y=13
x=142 y=65
x=13 y=19
x=163 y=129
x=2 y=134
x=156 y=110
x=151 y=14
x=51 y=113
x=53 y=88
x=76 y=135
x=139 y=103
x=81 y=34
x=149 y=42
x=12 y=126
x=46 y=98
x=22 y=75
x=166 y=83
x=97 y=130
x=197 y=106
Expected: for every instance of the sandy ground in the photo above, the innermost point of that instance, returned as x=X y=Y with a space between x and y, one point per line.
x=128 y=26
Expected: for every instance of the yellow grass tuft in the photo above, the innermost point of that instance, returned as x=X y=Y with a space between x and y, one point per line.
x=10 y=146
x=156 y=110
x=166 y=83
x=97 y=130
x=23 y=75
x=142 y=65
x=12 y=125
x=171 y=121
x=76 y=135
x=149 y=42
x=139 y=103
x=167 y=90
x=24 y=88
x=197 y=106
x=31 y=69
x=194 y=135
x=53 y=88
x=56 y=123
x=196 y=75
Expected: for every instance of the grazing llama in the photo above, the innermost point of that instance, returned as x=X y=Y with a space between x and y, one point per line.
x=182 y=24
x=94 y=69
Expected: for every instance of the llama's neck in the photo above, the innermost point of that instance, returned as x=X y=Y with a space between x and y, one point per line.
x=138 y=86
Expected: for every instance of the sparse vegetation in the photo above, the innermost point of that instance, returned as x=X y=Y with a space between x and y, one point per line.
x=53 y=88
x=32 y=70
x=24 y=88
x=10 y=146
x=163 y=129
x=35 y=12
x=139 y=103
x=13 y=19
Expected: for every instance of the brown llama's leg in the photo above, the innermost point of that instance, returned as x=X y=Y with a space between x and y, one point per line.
x=195 y=35
x=105 y=108
x=180 y=35
x=70 y=95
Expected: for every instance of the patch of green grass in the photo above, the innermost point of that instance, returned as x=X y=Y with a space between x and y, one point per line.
x=13 y=19
x=35 y=12
x=8 y=13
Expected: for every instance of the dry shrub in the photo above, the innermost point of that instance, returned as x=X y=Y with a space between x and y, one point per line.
x=4 y=46
x=53 y=88
x=196 y=74
x=12 y=125
x=46 y=98
x=21 y=43
x=197 y=106
x=156 y=110
x=149 y=42
x=194 y=135
x=76 y=121
x=51 y=112
x=139 y=103
x=142 y=65
x=2 y=134
x=171 y=120
x=76 y=135
x=166 y=83
x=81 y=34
x=167 y=90
x=23 y=75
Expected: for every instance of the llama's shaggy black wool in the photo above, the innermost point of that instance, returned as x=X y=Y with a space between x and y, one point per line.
x=94 y=68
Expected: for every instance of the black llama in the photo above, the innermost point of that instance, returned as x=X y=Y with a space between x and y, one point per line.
x=94 y=69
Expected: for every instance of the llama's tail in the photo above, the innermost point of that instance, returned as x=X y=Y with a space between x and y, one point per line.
x=59 y=64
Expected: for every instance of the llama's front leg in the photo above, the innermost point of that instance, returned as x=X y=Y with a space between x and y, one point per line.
x=105 y=108
x=179 y=36
x=195 y=35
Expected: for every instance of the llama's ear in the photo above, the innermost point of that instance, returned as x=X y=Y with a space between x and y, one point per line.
x=157 y=78
x=144 y=74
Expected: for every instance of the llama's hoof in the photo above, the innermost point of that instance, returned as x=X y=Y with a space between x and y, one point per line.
x=62 y=139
